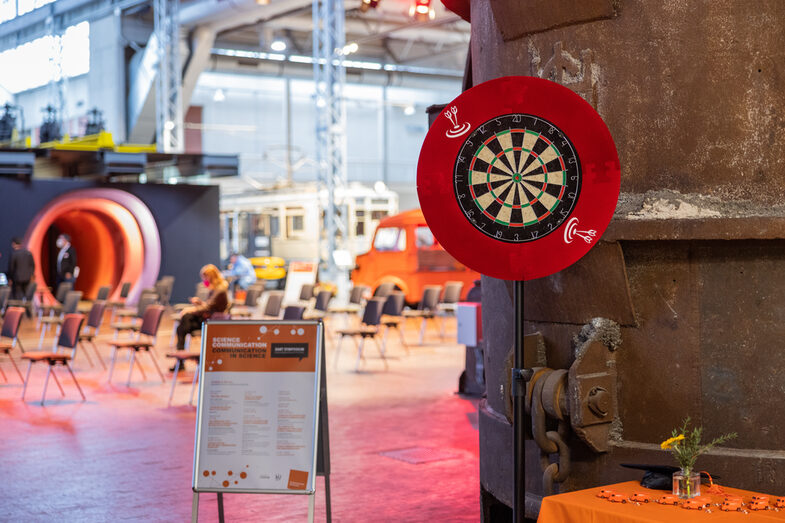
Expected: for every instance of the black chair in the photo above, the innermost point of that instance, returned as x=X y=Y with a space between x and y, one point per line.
x=272 y=308
x=103 y=294
x=69 y=335
x=293 y=312
x=427 y=308
x=5 y=294
x=27 y=301
x=70 y=304
x=306 y=291
x=384 y=289
x=355 y=304
x=55 y=308
x=114 y=304
x=392 y=319
x=148 y=298
x=368 y=329
x=320 y=306
x=145 y=341
x=449 y=301
x=249 y=306
x=94 y=321
x=10 y=331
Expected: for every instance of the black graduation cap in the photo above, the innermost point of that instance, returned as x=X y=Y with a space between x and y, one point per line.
x=659 y=477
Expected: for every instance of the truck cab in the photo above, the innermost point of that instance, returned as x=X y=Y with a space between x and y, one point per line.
x=405 y=252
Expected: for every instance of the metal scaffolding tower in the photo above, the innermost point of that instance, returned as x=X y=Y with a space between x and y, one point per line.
x=329 y=77
x=168 y=102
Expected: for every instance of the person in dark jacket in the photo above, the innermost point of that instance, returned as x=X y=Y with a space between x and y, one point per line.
x=66 y=260
x=218 y=302
x=21 y=268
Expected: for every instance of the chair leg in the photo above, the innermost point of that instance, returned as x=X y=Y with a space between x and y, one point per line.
x=19 y=342
x=338 y=351
x=399 y=328
x=193 y=383
x=87 y=355
x=111 y=365
x=359 y=354
x=17 y=368
x=384 y=338
x=71 y=372
x=381 y=352
x=155 y=362
x=174 y=381
x=57 y=381
x=46 y=384
x=44 y=330
x=3 y=374
x=131 y=368
x=422 y=330
x=98 y=355
x=24 y=388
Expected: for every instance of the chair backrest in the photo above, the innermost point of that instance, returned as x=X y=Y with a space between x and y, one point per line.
x=430 y=297
x=62 y=290
x=372 y=315
x=152 y=320
x=125 y=289
x=394 y=304
x=5 y=292
x=103 y=294
x=273 y=307
x=11 y=322
x=306 y=291
x=252 y=296
x=96 y=316
x=148 y=298
x=452 y=291
x=384 y=289
x=69 y=333
x=356 y=296
x=293 y=312
x=31 y=291
x=71 y=301
x=323 y=300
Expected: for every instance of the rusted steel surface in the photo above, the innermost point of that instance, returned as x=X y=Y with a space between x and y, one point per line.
x=691 y=90
x=572 y=296
x=694 y=261
x=514 y=18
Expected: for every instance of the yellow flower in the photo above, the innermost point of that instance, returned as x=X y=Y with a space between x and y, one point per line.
x=668 y=443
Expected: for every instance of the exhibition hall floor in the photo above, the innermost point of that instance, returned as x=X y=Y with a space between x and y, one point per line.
x=123 y=455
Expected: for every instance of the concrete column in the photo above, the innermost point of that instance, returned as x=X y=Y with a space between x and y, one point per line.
x=106 y=79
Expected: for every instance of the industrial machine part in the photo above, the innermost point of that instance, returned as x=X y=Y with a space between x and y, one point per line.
x=51 y=128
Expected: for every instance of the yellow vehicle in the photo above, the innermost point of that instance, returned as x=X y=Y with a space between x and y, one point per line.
x=271 y=269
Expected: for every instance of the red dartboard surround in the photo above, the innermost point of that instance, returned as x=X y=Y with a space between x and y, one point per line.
x=518 y=178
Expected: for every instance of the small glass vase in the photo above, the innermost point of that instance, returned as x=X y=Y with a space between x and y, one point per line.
x=686 y=484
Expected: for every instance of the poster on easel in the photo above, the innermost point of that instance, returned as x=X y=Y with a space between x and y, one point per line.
x=258 y=410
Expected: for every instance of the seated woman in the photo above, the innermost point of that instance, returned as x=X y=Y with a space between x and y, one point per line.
x=199 y=311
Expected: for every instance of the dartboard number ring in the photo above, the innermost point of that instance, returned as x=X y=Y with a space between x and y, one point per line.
x=517 y=178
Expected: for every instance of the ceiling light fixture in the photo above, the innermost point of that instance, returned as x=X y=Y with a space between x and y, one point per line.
x=219 y=95
x=278 y=45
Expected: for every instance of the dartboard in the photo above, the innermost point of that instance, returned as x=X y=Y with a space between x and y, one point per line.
x=517 y=177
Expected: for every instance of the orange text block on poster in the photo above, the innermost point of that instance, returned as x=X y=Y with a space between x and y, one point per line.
x=274 y=347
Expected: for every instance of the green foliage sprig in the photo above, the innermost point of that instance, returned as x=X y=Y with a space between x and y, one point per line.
x=685 y=444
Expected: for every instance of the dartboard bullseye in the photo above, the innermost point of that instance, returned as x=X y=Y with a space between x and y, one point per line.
x=517 y=178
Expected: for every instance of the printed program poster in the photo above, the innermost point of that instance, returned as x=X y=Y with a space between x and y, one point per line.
x=257 y=413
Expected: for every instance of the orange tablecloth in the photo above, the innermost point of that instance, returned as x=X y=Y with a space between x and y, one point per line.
x=583 y=506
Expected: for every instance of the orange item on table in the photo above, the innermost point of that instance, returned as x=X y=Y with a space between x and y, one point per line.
x=584 y=506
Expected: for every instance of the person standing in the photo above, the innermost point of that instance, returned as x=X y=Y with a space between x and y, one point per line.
x=66 y=260
x=21 y=268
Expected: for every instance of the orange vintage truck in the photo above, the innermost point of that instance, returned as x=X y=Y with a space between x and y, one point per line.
x=405 y=253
